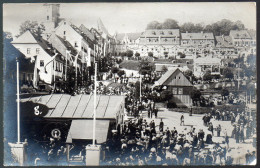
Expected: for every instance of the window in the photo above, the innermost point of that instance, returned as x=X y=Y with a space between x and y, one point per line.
x=180 y=90
x=37 y=51
x=174 y=90
x=76 y=45
x=179 y=77
x=64 y=32
x=48 y=17
x=64 y=23
x=28 y=51
x=41 y=63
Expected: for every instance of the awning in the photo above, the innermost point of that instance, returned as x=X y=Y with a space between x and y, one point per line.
x=83 y=130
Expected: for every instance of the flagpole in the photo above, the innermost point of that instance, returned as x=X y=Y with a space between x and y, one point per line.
x=18 y=103
x=66 y=66
x=95 y=96
x=140 y=88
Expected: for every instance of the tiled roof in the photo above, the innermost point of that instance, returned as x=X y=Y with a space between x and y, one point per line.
x=120 y=36
x=207 y=60
x=133 y=36
x=197 y=36
x=161 y=32
x=87 y=32
x=68 y=45
x=224 y=41
x=80 y=32
x=252 y=33
x=239 y=34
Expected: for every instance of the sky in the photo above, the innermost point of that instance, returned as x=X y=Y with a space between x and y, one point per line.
x=132 y=17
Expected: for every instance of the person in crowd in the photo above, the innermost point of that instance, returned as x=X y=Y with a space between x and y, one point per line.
x=161 y=125
x=182 y=120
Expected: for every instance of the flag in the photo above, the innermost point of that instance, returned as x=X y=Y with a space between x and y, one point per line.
x=76 y=59
x=105 y=49
x=35 y=74
x=68 y=54
x=88 y=58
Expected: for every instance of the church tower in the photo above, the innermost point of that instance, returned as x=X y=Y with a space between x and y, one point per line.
x=52 y=18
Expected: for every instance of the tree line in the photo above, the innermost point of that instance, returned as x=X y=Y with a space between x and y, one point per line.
x=218 y=28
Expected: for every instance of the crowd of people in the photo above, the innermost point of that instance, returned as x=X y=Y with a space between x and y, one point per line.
x=140 y=143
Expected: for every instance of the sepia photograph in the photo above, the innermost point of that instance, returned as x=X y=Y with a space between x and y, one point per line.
x=129 y=84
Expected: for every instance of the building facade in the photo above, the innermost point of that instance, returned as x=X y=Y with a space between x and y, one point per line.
x=161 y=43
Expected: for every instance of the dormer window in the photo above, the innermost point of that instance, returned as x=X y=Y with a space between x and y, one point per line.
x=76 y=45
x=48 y=17
x=64 y=32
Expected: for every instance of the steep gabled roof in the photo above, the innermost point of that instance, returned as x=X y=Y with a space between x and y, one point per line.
x=224 y=41
x=87 y=32
x=68 y=45
x=26 y=37
x=171 y=74
x=120 y=36
x=32 y=38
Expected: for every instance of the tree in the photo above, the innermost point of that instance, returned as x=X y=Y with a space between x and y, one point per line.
x=164 y=68
x=150 y=54
x=198 y=28
x=207 y=76
x=224 y=93
x=195 y=96
x=137 y=54
x=121 y=73
x=238 y=25
x=187 y=27
x=228 y=73
x=145 y=67
x=154 y=25
x=166 y=95
x=114 y=70
x=33 y=27
x=129 y=53
x=170 y=24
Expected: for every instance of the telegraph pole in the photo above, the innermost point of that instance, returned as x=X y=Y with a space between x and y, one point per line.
x=18 y=103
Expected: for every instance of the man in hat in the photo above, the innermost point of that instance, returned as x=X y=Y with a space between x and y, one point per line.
x=161 y=126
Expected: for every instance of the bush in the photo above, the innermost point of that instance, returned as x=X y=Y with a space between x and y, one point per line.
x=171 y=104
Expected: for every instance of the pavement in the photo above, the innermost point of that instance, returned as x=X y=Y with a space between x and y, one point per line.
x=172 y=119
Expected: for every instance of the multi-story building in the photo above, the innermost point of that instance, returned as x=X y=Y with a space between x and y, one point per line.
x=49 y=62
x=224 y=47
x=161 y=43
x=127 y=41
x=240 y=38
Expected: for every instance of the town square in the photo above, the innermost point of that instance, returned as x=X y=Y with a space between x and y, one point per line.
x=95 y=90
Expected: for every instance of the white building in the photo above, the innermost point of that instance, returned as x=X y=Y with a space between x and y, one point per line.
x=39 y=50
x=201 y=65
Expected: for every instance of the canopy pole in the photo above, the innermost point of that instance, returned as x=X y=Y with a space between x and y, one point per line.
x=95 y=97
x=18 y=103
